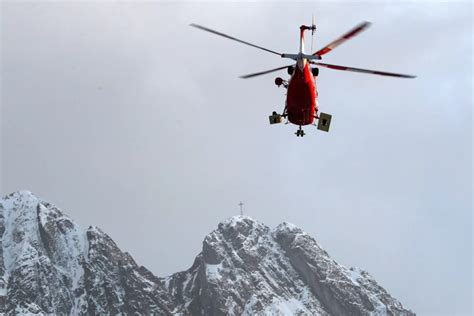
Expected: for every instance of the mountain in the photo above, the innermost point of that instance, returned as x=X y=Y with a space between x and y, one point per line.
x=48 y=264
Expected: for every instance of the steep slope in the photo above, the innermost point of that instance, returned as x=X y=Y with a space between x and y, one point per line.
x=247 y=268
x=48 y=264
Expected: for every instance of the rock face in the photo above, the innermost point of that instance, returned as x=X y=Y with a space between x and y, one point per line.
x=247 y=268
x=48 y=264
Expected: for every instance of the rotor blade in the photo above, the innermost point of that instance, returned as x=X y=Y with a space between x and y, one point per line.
x=359 y=28
x=263 y=72
x=232 y=38
x=367 y=71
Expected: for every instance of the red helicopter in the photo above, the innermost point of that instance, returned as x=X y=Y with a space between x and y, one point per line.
x=301 y=107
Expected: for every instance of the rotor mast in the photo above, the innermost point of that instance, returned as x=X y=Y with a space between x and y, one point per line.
x=301 y=55
x=302 y=29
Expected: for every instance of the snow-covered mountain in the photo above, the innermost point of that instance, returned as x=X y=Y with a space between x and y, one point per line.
x=48 y=264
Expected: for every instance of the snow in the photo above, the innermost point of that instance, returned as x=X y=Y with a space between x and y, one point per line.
x=380 y=309
x=149 y=284
x=185 y=284
x=254 y=263
x=23 y=246
x=231 y=306
x=278 y=306
x=288 y=226
x=167 y=282
x=212 y=270
x=273 y=273
x=291 y=306
x=70 y=244
x=20 y=223
x=271 y=281
x=238 y=219
x=249 y=306
x=354 y=274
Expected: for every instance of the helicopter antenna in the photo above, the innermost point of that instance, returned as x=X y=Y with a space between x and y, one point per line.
x=241 y=208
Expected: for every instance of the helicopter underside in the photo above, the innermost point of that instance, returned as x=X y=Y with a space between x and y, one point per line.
x=301 y=97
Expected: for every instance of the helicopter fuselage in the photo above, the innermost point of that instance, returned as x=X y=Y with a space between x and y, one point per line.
x=301 y=98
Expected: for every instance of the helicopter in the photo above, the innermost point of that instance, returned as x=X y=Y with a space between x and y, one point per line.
x=301 y=105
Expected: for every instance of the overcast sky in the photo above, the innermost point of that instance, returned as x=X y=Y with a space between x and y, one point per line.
x=127 y=118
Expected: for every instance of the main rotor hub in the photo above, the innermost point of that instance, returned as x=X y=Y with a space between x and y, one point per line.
x=301 y=56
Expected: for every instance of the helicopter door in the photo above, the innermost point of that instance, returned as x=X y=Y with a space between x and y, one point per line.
x=324 y=121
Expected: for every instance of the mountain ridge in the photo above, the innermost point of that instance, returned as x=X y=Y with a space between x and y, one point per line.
x=244 y=267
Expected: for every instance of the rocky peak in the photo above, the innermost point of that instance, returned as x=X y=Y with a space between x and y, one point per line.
x=48 y=264
x=247 y=268
x=240 y=224
x=237 y=235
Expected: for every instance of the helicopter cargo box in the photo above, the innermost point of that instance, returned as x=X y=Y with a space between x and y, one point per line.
x=275 y=118
x=324 y=121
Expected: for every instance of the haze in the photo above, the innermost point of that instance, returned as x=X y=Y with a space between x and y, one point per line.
x=127 y=118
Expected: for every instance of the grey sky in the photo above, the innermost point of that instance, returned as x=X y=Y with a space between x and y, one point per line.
x=128 y=119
